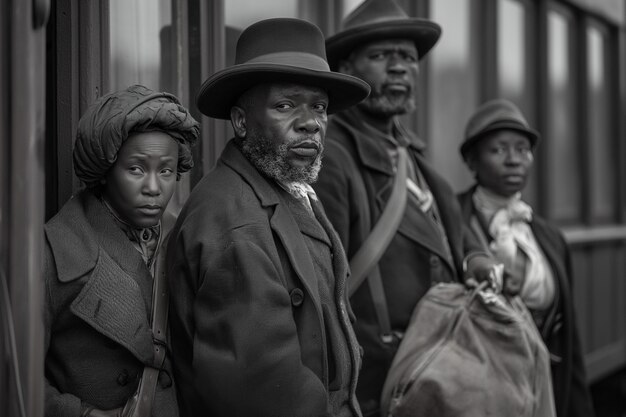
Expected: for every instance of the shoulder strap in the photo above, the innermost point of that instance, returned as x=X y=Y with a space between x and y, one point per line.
x=364 y=263
x=141 y=403
x=379 y=238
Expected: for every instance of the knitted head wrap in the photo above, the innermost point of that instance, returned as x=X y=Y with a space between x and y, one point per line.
x=109 y=121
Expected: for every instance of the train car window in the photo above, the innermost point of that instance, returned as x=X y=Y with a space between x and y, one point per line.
x=242 y=13
x=141 y=44
x=239 y=14
x=515 y=62
x=561 y=139
x=452 y=87
x=350 y=5
x=599 y=132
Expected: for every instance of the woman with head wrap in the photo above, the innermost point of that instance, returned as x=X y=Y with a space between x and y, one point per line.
x=101 y=253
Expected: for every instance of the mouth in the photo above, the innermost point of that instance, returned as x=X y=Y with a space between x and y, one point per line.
x=397 y=87
x=150 y=209
x=305 y=149
x=514 y=178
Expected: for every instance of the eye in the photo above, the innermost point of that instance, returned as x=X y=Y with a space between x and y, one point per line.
x=498 y=150
x=377 y=56
x=135 y=170
x=284 y=106
x=409 y=57
x=320 y=107
x=167 y=172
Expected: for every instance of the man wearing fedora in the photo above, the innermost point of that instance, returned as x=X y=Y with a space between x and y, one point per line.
x=499 y=149
x=380 y=44
x=260 y=318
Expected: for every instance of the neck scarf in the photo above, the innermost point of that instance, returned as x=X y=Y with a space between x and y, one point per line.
x=514 y=245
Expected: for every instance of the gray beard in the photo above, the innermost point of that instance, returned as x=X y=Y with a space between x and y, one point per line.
x=388 y=105
x=271 y=160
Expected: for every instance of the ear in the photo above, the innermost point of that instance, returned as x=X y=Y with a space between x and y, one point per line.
x=345 y=67
x=238 y=120
x=470 y=160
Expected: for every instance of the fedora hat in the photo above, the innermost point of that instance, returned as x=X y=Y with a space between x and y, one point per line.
x=495 y=115
x=283 y=50
x=376 y=20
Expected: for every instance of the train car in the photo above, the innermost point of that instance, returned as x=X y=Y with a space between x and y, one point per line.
x=562 y=61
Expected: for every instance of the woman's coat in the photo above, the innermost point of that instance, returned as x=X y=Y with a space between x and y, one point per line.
x=98 y=301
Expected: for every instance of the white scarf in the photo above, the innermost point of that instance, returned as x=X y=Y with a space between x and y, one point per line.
x=512 y=239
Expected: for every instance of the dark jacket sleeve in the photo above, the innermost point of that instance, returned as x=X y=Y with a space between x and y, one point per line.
x=229 y=300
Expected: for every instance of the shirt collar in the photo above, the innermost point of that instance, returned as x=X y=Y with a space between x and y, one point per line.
x=146 y=240
x=488 y=203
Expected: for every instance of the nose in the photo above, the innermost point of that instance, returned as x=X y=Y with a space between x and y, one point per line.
x=151 y=185
x=308 y=122
x=397 y=64
x=513 y=156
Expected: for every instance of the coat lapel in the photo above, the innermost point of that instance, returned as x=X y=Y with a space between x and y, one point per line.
x=112 y=300
x=422 y=229
x=109 y=303
x=281 y=221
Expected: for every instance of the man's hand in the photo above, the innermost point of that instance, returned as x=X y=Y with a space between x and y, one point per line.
x=480 y=268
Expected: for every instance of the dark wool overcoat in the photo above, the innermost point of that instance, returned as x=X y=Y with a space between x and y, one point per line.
x=97 y=314
x=248 y=330
x=571 y=394
x=354 y=185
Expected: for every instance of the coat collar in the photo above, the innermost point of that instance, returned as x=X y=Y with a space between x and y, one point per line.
x=86 y=242
x=84 y=224
x=281 y=221
x=262 y=186
x=371 y=145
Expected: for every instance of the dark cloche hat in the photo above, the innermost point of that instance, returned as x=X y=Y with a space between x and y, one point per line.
x=495 y=115
x=376 y=20
x=278 y=50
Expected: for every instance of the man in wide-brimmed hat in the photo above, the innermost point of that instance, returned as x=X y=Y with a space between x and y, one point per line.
x=499 y=148
x=260 y=315
x=380 y=44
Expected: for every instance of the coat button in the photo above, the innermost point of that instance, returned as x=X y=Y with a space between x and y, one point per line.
x=434 y=261
x=122 y=378
x=297 y=297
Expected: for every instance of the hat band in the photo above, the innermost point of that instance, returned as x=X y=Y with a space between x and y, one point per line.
x=292 y=58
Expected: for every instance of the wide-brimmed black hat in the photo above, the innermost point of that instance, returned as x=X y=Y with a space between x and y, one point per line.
x=281 y=50
x=376 y=20
x=495 y=115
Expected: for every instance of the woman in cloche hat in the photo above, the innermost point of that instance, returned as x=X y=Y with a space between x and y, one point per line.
x=499 y=149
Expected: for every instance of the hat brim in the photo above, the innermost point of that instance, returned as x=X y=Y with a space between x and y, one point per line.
x=220 y=92
x=533 y=135
x=423 y=32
